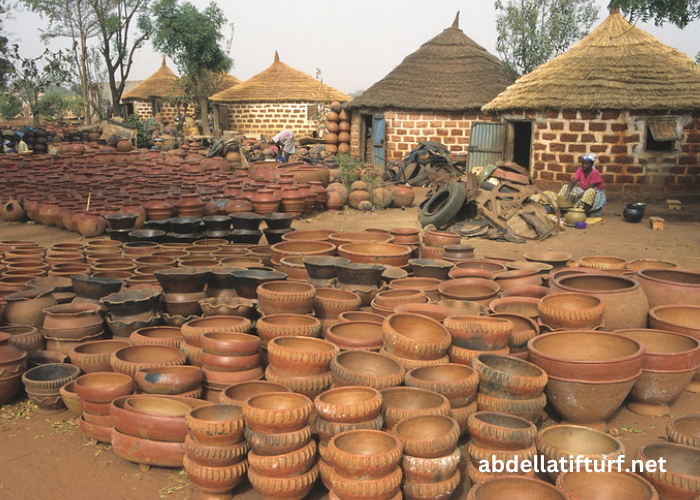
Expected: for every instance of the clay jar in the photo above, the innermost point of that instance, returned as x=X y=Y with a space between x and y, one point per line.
x=13 y=361
x=276 y=297
x=265 y=202
x=670 y=286
x=27 y=307
x=91 y=224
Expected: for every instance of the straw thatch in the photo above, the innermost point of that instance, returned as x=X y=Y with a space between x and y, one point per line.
x=226 y=82
x=618 y=66
x=161 y=83
x=451 y=72
x=280 y=83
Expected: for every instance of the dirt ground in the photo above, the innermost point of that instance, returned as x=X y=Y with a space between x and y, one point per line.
x=45 y=456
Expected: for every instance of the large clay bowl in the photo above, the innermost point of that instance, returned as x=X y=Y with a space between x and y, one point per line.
x=625 y=302
x=301 y=248
x=230 y=343
x=508 y=378
x=562 y=441
x=10 y=385
x=94 y=356
x=516 y=488
x=309 y=234
x=277 y=412
x=680 y=479
x=685 y=430
x=359 y=237
x=103 y=387
x=131 y=359
x=183 y=279
x=216 y=424
x=238 y=393
x=602 y=262
x=458 y=383
x=403 y=402
x=73 y=321
x=215 y=480
x=427 y=285
x=349 y=404
x=28 y=307
x=157 y=335
x=194 y=330
x=485 y=264
x=300 y=356
x=366 y=368
x=571 y=311
x=483 y=333
x=680 y=318
x=670 y=286
x=670 y=362
x=428 y=436
x=148 y=451
x=42 y=383
x=366 y=316
x=353 y=335
x=432 y=311
x=414 y=336
x=587 y=355
x=554 y=258
x=169 y=380
x=524 y=329
x=364 y=454
x=330 y=302
x=287 y=325
x=248 y=280
x=277 y=297
x=387 y=254
x=466 y=307
x=471 y=289
x=287 y=465
x=294 y=488
x=500 y=431
x=91 y=287
x=581 y=485
x=68 y=395
x=525 y=306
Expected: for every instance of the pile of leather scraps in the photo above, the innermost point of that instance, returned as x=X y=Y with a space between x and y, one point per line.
x=507 y=204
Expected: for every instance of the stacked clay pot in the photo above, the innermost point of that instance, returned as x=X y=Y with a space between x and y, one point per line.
x=96 y=391
x=13 y=363
x=365 y=465
x=430 y=456
x=301 y=364
x=499 y=436
x=414 y=340
x=43 y=383
x=458 y=383
x=510 y=385
x=472 y=335
x=183 y=288
x=179 y=380
x=329 y=303
x=282 y=454
x=215 y=448
x=343 y=409
x=68 y=325
x=288 y=297
x=227 y=358
x=128 y=311
x=371 y=369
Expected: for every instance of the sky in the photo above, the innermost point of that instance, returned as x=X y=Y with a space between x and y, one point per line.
x=351 y=45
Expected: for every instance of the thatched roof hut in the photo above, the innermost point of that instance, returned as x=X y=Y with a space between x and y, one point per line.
x=450 y=72
x=161 y=83
x=617 y=66
x=280 y=83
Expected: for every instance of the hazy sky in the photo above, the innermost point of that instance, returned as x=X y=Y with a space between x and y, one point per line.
x=353 y=44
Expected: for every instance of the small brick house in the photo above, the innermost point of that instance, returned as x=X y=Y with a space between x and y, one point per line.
x=155 y=94
x=435 y=94
x=619 y=93
x=276 y=99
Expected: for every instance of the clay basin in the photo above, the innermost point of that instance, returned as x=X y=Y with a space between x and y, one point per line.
x=277 y=412
x=238 y=393
x=507 y=377
x=248 y=280
x=349 y=404
x=147 y=451
x=156 y=425
x=303 y=248
x=562 y=441
x=216 y=424
x=158 y=335
x=501 y=431
x=431 y=268
x=514 y=487
x=103 y=387
x=131 y=359
x=432 y=311
x=351 y=335
x=366 y=368
x=169 y=380
x=91 y=287
x=360 y=316
x=681 y=318
x=551 y=257
x=414 y=336
x=681 y=479
x=230 y=343
x=364 y=454
x=485 y=264
x=587 y=355
x=571 y=311
x=685 y=430
x=606 y=486
x=458 y=383
x=428 y=436
x=670 y=286
x=158 y=406
x=471 y=289
x=525 y=306
x=403 y=402
x=300 y=356
x=309 y=234
x=387 y=254
x=72 y=321
x=183 y=279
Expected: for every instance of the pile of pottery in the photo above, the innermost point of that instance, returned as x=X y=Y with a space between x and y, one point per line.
x=43 y=383
x=177 y=380
x=414 y=340
x=96 y=391
x=216 y=452
x=131 y=310
x=66 y=325
x=282 y=454
x=13 y=363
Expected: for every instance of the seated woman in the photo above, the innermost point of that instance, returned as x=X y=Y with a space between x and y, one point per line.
x=591 y=194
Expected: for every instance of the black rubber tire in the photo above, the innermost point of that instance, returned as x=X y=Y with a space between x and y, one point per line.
x=444 y=205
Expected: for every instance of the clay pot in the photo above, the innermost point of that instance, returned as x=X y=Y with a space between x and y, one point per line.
x=287 y=465
x=169 y=380
x=93 y=288
x=471 y=289
x=519 y=277
x=356 y=335
x=159 y=335
x=286 y=325
x=238 y=393
x=388 y=254
x=479 y=332
x=458 y=383
x=227 y=306
x=441 y=238
x=300 y=356
x=72 y=321
x=563 y=441
x=131 y=359
x=91 y=224
x=403 y=402
x=217 y=424
x=571 y=311
x=554 y=258
x=625 y=302
x=183 y=279
x=366 y=368
x=194 y=330
x=364 y=454
x=13 y=361
x=215 y=480
x=621 y=484
x=295 y=488
x=26 y=338
x=147 y=451
x=684 y=430
x=277 y=297
x=514 y=487
x=680 y=477
x=103 y=387
x=414 y=336
x=428 y=436
x=431 y=268
x=27 y=307
x=350 y=404
x=670 y=286
x=277 y=412
x=524 y=306
x=248 y=280
x=508 y=378
x=42 y=384
x=230 y=344
x=498 y=431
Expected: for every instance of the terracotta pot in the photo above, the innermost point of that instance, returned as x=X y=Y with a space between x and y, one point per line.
x=103 y=387
x=277 y=412
x=670 y=286
x=354 y=335
x=403 y=402
x=571 y=311
x=277 y=297
x=364 y=454
x=414 y=336
x=471 y=289
x=441 y=238
x=26 y=338
x=679 y=480
x=183 y=279
x=133 y=358
x=348 y=404
x=622 y=484
x=684 y=430
x=388 y=254
x=72 y=321
x=508 y=486
x=479 y=332
x=366 y=368
x=295 y=488
x=194 y=330
x=524 y=306
x=13 y=361
x=248 y=281
x=27 y=307
x=169 y=380
x=218 y=424
x=215 y=480
x=458 y=383
x=42 y=383
x=499 y=431
x=428 y=436
x=91 y=224
x=159 y=335
x=509 y=378
x=278 y=325
x=95 y=356
x=300 y=356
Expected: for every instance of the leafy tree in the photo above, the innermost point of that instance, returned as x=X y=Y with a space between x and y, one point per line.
x=32 y=77
x=530 y=32
x=5 y=66
x=678 y=12
x=191 y=38
x=10 y=106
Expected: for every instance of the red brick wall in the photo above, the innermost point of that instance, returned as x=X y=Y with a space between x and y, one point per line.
x=145 y=110
x=405 y=129
x=269 y=118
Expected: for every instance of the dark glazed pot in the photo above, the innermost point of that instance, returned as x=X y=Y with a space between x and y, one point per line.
x=217 y=223
x=247 y=236
x=185 y=225
x=152 y=235
x=93 y=288
x=121 y=221
x=183 y=279
x=359 y=274
x=248 y=280
x=278 y=220
x=634 y=212
x=246 y=220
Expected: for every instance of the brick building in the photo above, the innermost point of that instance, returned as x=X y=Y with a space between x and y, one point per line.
x=619 y=93
x=276 y=99
x=157 y=93
x=435 y=94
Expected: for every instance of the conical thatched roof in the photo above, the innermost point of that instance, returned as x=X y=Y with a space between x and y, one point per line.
x=451 y=72
x=618 y=66
x=226 y=82
x=161 y=83
x=280 y=83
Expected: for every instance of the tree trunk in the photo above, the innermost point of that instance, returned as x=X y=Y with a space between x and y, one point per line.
x=203 y=102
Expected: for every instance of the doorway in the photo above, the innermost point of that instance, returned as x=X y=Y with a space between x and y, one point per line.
x=522 y=143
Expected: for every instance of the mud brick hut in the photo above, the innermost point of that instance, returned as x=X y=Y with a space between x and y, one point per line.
x=278 y=98
x=155 y=94
x=619 y=93
x=435 y=94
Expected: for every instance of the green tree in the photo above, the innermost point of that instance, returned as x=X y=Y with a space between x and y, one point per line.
x=32 y=77
x=191 y=38
x=10 y=106
x=531 y=32
x=5 y=66
x=678 y=12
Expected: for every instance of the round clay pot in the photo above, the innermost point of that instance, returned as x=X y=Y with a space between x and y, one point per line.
x=157 y=335
x=571 y=311
x=215 y=480
x=287 y=465
x=169 y=380
x=301 y=248
x=183 y=279
x=509 y=378
x=72 y=321
x=428 y=436
x=499 y=431
x=330 y=302
x=26 y=338
x=670 y=286
x=402 y=402
x=360 y=316
x=349 y=404
x=230 y=344
x=388 y=254
x=469 y=289
x=70 y=399
x=524 y=488
x=13 y=361
x=238 y=393
x=277 y=443
x=327 y=429
x=684 y=430
x=680 y=478
x=286 y=325
x=42 y=383
x=131 y=359
x=602 y=262
x=429 y=471
x=295 y=488
x=27 y=308
x=217 y=424
x=366 y=368
x=354 y=335
x=479 y=332
x=414 y=336
x=458 y=383
x=525 y=306
x=215 y=455
x=621 y=484
x=194 y=330
x=147 y=451
x=431 y=268
x=276 y=297
x=300 y=356
x=364 y=454
x=277 y=412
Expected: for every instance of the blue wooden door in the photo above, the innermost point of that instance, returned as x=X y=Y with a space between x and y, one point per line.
x=378 y=141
